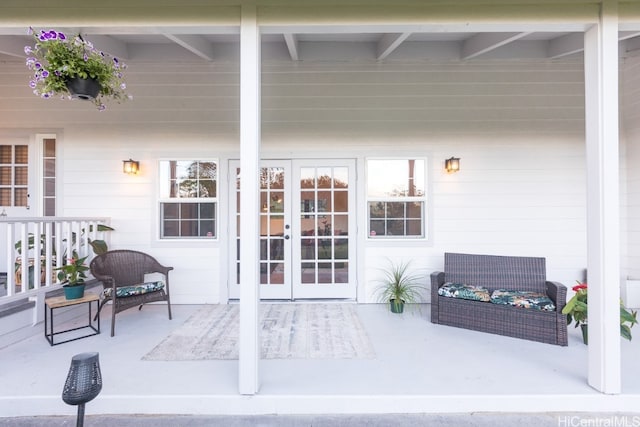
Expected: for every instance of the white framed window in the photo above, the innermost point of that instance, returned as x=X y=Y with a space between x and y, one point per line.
x=396 y=198
x=188 y=199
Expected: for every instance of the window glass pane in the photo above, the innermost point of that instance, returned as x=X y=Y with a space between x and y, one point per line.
x=170 y=229
x=376 y=228
x=324 y=178
x=188 y=211
x=170 y=210
x=340 y=225
x=49 y=207
x=207 y=188
x=207 y=228
x=341 y=272
x=263 y=249
x=341 y=249
x=340 y=177
x=308 y=272
x=49 y=187
x=207 y=210
x=395 y=227
x=308 y=249
x=414 y=210
x=5 y=154
x=5 y=197
x=376 y=209
x=21 y=197
x=395 y=210
x=50 y=168
x=307 y=201
x=50 y=147
x=324 y=201
x=21 y=175
x=5 y=175
x=324 y=249
x=307 y=178
x=395 y=178
x=325 y=272
x=414 y=227
x=21 y=155
x=340 y=201
x=276 y=202
x=188 y=228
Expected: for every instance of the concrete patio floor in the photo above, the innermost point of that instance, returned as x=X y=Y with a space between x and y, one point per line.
x=419 y=368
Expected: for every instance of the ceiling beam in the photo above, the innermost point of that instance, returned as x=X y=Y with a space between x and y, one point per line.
x=292 y=44
x=12 y=46
x=388 y=43
x=109 y=45
x=565 y=45
x=197 y=45
x=486 y=42
x=625 y=35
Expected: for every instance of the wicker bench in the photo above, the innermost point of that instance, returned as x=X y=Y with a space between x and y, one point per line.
x=500 y=272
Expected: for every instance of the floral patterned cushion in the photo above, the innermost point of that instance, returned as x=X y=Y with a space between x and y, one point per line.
x=464 y=291
x=127 y=291
x=524 y=299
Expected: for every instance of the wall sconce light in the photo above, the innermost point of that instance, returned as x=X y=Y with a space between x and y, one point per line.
x=130 y=167
x=452 y=165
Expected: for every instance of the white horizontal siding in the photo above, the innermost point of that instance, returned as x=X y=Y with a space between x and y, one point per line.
x=630 y=100
x=517 y=126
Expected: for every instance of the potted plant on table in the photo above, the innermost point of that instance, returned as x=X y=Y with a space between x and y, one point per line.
x=577 y=310
x=74 y=68
x=72 y=275
x=399 y=286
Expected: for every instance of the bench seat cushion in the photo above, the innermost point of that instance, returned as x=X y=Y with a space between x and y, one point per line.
x=523 y=299
x=127 y=291
x=464 y=291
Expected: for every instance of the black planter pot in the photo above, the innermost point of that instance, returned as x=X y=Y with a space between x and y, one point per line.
x=396 y=306
x=85 y=89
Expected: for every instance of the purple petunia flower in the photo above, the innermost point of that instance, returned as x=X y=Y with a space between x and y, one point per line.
x=32 y=84
x=61 y=36
x=28 y=50
x=45 y=73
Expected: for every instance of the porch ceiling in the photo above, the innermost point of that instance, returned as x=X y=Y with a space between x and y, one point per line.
x=312 y=42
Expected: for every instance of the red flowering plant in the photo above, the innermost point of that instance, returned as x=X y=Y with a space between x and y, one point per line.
x=73 y=272
x=576 y=310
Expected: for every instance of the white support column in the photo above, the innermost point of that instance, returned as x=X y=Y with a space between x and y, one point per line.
x=249 y=200
x=603 y=200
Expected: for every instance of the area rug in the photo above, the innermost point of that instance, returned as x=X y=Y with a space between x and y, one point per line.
x=289 y=331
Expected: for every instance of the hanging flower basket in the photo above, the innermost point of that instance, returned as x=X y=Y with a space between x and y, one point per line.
x=56 y=61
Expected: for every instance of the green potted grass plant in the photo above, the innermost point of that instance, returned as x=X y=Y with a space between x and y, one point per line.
x=399 y=286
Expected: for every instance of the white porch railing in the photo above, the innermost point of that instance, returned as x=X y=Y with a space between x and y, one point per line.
x=45 y=242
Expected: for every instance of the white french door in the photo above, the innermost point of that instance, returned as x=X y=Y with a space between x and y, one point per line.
x=307 y=231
